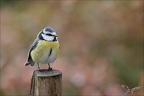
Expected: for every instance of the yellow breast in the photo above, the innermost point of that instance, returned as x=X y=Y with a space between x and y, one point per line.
x=41 y=52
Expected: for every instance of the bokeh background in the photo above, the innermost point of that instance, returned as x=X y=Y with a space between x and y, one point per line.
x=101 y=44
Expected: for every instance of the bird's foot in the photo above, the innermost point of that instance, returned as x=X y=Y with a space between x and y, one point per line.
x=39 y=69
x=49 y=69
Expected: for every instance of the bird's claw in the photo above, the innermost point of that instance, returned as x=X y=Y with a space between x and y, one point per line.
x=49 y=69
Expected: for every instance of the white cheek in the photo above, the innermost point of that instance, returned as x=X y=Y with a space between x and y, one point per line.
x=48 y=38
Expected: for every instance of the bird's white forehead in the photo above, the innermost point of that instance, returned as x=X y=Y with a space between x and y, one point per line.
x=53 y=33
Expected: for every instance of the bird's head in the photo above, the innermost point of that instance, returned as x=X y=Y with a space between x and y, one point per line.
x=48 y=34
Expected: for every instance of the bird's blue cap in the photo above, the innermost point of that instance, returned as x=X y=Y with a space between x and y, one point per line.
x=49 y=29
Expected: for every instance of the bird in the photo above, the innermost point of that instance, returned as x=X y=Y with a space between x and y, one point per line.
x=44 y=49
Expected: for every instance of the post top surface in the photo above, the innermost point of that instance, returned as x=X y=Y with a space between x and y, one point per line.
x=47 y=73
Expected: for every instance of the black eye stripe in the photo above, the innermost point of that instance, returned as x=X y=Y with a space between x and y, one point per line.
x=49 y=34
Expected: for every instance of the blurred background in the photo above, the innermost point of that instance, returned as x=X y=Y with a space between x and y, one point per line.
x=101 y=44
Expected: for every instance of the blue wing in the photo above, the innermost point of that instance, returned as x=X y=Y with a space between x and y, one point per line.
x=29 y=59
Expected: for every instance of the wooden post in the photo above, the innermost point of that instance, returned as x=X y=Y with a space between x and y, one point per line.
x=46 y=83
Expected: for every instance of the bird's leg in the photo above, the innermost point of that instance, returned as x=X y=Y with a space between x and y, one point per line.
x=49 y=68
x=38 y=66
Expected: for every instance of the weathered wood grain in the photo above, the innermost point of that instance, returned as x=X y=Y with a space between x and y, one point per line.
x=46 y=83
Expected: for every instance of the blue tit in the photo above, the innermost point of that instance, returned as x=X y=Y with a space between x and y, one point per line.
x=44 y=49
